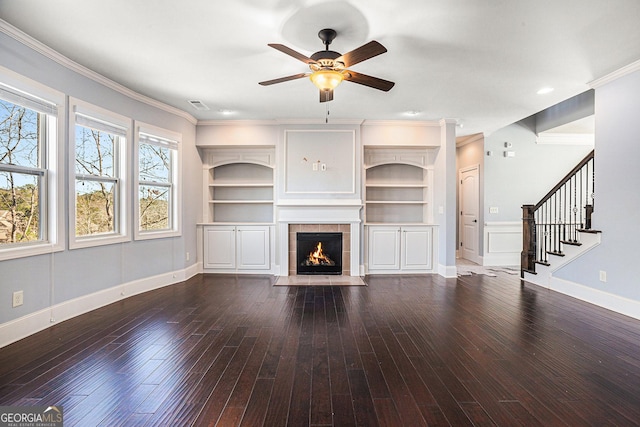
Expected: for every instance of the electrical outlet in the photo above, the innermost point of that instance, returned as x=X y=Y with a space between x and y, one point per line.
x=603 y=276
x=188 y=256
x=18 y=298
x=314 y=166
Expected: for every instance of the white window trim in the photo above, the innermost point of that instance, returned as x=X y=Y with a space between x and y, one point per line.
x=123 y=219
x=176 y=208
x=54 y=223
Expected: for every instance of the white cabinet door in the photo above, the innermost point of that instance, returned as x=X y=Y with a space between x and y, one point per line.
x=416 y=248
x=220 y=247
x=253 y=248
x=384 y=248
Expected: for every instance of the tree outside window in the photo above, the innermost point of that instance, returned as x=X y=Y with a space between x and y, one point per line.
x=96 y=181
x=21 y=173
x=155 y=187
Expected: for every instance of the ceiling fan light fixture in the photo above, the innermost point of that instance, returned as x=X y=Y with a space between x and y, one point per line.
x=326 y=79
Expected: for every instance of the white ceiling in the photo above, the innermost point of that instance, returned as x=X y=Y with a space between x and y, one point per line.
x=480 y=62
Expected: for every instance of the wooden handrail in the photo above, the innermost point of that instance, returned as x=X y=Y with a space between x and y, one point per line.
x=566 y=179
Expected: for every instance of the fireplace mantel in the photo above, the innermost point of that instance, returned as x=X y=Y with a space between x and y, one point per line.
x=319 y=211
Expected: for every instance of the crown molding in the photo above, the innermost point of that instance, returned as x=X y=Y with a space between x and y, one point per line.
x=404 y=123
x=633 y=67
x=351 y=122
x=55 y=56
x=279 y=122
x=237 y=123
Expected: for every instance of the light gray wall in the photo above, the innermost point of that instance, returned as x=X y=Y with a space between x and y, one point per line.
x=510 y=182
x=444 y=196
x=617 y=199
x=51 y=279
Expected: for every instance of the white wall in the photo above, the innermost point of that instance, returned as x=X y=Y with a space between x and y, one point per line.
x=617 y=198
x=92 y=274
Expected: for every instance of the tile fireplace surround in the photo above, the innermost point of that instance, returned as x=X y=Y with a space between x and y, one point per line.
x=345 y=229
x=320 y=216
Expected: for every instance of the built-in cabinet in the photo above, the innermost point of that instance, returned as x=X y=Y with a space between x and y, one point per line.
x=239 y=227
x=395 y=248
x=398 y=209
x=238 y=208
x=242 y=247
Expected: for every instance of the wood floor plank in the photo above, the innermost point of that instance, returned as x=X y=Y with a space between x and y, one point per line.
x=404 y=350
x=256 y=408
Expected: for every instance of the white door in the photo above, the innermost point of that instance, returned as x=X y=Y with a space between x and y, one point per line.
x=220 y=247
x=384 y=248
x=253 y=248
x=469 y=212
x=416 y=248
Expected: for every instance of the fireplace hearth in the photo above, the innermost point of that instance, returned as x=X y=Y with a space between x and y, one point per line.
x=318 y=253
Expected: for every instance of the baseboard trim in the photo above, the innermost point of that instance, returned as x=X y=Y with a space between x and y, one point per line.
x=32 y=323
x=448 y=271
x=622 y=305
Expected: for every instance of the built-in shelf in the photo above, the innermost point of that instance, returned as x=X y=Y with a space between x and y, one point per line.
x=397 y=186
x=239 y=186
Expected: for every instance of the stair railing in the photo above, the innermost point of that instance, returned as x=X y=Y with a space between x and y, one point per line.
x=558 y=216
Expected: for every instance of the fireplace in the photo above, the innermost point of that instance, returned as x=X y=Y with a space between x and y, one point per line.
x=318 y=253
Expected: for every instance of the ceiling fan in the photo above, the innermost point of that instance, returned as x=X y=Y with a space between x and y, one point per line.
x=329 y=68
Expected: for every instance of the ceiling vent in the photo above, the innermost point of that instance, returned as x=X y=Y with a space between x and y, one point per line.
x=199 y=105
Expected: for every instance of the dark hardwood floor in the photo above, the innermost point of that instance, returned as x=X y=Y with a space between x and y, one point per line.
x=405 y=351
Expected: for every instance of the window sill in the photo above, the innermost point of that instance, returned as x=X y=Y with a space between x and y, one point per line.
x=89 y=242
x=148 y=235
x=29 y=250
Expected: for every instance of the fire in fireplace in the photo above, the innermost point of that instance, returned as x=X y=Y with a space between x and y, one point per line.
x=319 y=253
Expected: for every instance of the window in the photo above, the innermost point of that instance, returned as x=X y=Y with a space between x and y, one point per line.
x=157 y=205
x=28 y=165
x=98 y=145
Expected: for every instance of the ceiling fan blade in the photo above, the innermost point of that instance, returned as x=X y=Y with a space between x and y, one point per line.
x=283 y=79
x=326 y=95
x=369 y=50
x=284 y=49
x=365 y=80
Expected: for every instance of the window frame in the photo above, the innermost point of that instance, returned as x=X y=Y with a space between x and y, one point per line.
x=51 y=228
x=79 y=113
x=173 y=141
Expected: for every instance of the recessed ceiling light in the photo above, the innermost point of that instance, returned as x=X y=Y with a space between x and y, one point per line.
x=545 y=90
x=225 y=112
x=411 y=113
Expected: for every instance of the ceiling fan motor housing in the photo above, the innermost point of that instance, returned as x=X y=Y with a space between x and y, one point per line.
x=325 y=59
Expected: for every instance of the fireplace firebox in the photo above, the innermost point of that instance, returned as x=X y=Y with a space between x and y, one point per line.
x=319 y=253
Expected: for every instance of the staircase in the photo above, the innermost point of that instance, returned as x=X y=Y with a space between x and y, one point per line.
x=557 y=229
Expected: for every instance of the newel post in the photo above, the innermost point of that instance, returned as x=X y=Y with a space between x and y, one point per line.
x=528 y=255
x=588 y=211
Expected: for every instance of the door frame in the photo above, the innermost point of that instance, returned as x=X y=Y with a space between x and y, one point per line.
x=478 y=258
